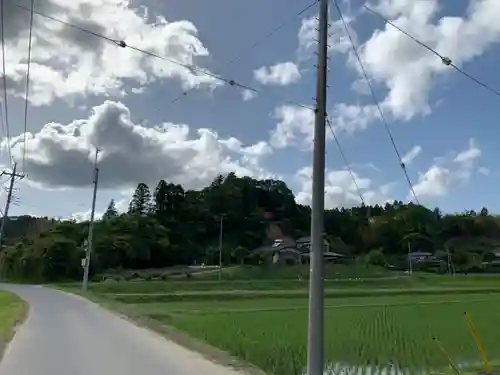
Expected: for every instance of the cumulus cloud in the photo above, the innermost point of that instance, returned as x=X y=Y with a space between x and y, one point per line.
x=248 y=94
x=340 y=190
x=398 y=64
x=484 y=171
x=448 y=172
x=295 y=127
x=62 y=155
x=280 y=74
x=406 y=69
x=67 y=62
x=351 y=118
x=85 y=216
x=412 y=154
x=338 y=40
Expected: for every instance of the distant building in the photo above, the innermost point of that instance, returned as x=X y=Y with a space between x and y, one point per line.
x=287 y=251
x=419 y=256
x=305 y=242
x=281 y=254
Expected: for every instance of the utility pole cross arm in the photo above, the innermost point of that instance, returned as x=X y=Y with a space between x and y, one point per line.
x=13 y=176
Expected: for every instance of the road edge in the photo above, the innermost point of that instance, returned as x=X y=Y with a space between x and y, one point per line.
x=173 y=334
x=18 y=322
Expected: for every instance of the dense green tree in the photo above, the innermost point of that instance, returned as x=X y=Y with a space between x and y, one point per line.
x=178 y=226
x=111 y=211
x=141 y=201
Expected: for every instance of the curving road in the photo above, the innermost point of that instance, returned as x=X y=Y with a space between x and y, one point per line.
x=68 y=335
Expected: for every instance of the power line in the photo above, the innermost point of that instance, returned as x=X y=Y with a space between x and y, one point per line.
x=264 y=38
x=2 y=123
x=123 y=44
x=4 y=78
x=445 y=60
x=377 y=104
x=346 y=162
x=28 y=83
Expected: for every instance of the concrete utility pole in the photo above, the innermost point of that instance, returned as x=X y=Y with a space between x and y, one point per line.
x=12 y=175
x=221 y=231
x=86 y=265
x=315 y=336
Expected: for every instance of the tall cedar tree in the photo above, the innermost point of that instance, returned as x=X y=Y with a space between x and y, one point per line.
x=141 y=201
x=111 y=211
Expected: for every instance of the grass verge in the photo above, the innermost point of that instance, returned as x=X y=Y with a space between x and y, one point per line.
x=13 y=310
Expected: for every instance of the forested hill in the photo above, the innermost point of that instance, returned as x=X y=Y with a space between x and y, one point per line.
x=171 y=225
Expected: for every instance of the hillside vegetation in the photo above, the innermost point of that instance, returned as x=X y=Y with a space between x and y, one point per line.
x=173 y=226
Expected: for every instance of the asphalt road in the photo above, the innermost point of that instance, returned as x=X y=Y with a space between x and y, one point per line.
x=68 y=335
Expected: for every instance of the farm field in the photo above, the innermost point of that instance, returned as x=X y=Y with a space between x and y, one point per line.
x=370 y=327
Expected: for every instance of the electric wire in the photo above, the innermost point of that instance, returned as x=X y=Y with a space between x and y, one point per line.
x=123 y=44
x=27 y=84
x=4 y=79
x=346 y=162
x=427 y=322
x=445 y=60
x=2 y=123
x=377 y=104
x=264 y=38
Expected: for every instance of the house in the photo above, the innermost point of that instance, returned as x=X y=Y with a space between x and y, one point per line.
x=281 y=253
x=287 y=251
x=329 y=256
x=419 y=256
x=305 y=242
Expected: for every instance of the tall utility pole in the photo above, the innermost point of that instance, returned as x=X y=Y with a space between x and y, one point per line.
x=12 y=175
x=221 y=231
x=315 y=335
x=86 y=265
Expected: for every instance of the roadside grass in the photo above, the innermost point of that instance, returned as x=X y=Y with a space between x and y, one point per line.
x=12 y=311
x=174 y=286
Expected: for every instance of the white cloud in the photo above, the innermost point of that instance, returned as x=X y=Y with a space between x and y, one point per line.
x=295 y=127
x=484 y=171
x=412 y=154
x=407 y=69
x=280 y=74
x=340 y=190
x=248 y=94
x=469 y=155
x=85 y=216
x=67 y=62
x=62 y=155
x=352 y=118
x=446 y=174
x=338 y=41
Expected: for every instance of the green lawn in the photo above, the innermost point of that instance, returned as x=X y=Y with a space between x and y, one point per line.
x=12 y=310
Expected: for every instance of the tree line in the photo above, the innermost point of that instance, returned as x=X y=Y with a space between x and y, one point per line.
x=174 y=226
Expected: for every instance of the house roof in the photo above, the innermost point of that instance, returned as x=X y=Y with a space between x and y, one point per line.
x=327 y=254
x=273 y=249
x=419 y=254
x=306 y=240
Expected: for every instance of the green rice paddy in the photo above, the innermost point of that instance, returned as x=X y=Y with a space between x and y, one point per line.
x=378 y=329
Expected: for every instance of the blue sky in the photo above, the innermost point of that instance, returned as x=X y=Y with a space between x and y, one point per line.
x=448 y=120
